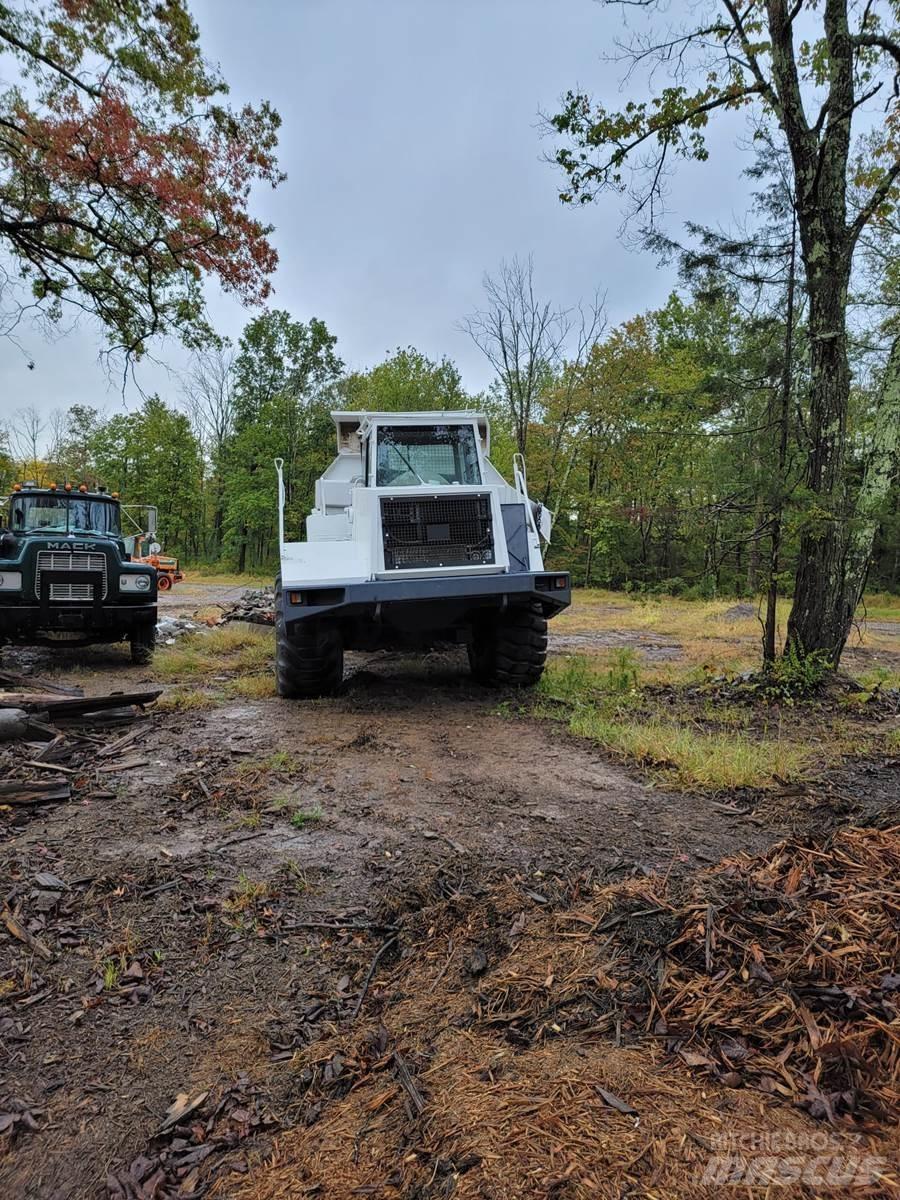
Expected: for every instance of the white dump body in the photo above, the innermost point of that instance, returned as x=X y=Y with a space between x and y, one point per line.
x=356 y=534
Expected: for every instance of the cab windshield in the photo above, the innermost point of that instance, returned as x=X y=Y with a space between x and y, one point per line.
x=412 y=455
x=64 y=514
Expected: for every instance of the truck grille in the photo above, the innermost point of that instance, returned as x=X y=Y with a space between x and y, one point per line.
x=49 y=560
x=437 y=531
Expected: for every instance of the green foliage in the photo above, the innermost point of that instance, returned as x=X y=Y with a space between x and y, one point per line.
x=794 y=675
x=622 y=674
x=125 y=178
x=407 y=381
x=150 y=457
x=282 y=374
x=654 y=454
x=302 y=817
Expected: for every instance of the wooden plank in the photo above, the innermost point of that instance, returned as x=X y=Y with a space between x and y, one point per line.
x=121 y=742
x=123 y=764
x=71 y=705
x=29 y=683
x=49 y=766
x=34 y=791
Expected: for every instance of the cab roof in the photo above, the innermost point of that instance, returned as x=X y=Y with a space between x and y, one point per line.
x=74 y=489
x=350 y=424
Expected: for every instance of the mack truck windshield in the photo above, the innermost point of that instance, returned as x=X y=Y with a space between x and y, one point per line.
x=415 y=539
x=65 y=574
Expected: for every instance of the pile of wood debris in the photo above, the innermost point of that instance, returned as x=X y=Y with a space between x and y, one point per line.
x=255 y=606
x=57 y=739
x=742 y=1027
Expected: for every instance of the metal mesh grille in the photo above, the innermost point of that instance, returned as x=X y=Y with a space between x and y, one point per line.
x=49 y=560
x=437 y=531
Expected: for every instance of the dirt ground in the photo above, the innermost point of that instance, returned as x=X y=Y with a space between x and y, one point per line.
x=198 y=936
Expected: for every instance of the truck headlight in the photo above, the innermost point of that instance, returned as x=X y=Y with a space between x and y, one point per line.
x=10 y=581
x=134 y=583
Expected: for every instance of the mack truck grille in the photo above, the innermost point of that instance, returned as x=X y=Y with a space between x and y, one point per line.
x=49 y=560
x=437 y=531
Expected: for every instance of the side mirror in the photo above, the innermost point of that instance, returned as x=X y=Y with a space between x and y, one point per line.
x=151 y=520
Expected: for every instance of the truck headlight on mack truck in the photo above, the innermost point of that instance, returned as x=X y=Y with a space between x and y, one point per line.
x=10 y=581
x=415 y=539
x=134 y=583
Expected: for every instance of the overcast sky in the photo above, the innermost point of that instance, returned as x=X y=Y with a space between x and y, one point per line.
x=414 y=157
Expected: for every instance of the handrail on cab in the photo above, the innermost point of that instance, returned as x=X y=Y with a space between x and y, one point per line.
x=279 y=471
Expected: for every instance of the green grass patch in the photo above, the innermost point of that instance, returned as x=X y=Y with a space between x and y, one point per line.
x=226 y=578
x=690 y=758
x=253 y=687
x=182 y=699
x=279 y=760
x=606 y=704
x=230 y=648
x=879 y=606
x=302 y=817
x=880 y=677
x=112 y=972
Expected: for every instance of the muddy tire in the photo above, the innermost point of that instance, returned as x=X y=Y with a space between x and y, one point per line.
x=310 y=662
x=163 y=582
x=510 y=650
x=143 y=643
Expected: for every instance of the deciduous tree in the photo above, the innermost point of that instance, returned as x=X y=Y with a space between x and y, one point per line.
x=124 y=178
x=756 y=54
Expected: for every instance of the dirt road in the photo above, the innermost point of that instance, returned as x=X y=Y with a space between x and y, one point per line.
x=178 y=958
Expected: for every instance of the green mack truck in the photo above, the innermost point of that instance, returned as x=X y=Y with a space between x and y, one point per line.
x=65 y=574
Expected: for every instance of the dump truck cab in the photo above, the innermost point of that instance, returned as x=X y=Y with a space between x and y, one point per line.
x=65 y=574
x=415 y=538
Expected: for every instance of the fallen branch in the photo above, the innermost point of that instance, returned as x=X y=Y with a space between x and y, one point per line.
x=392 y=941
x=416 y=1099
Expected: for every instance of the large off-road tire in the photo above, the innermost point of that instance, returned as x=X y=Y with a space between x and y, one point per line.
x=310 y=662
x=143 y=643
x=510 y=650
x=163 y=581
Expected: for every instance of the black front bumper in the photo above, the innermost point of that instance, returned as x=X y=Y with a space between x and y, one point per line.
x=100 y=621
x=463 y=594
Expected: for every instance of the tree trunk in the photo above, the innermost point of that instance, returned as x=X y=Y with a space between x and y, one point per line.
x=875 y=487
x=819 y=622
x=787 y=375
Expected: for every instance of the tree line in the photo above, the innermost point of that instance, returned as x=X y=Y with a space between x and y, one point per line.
x=655 y=444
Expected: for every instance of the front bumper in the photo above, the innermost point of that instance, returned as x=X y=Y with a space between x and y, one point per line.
x=19 y=620
x=389 y=597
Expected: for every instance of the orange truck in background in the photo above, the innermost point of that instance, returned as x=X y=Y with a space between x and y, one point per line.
x=146 y=550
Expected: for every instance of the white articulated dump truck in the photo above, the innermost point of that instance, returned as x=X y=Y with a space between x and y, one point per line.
x=415 y=539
